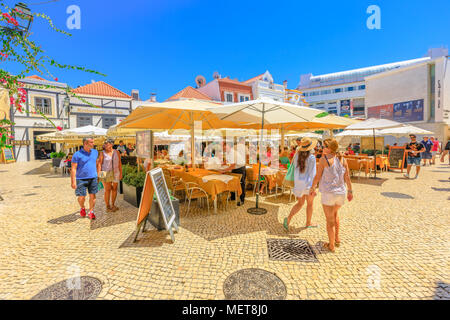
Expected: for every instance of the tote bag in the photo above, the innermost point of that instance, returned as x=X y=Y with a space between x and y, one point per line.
x=289 y=178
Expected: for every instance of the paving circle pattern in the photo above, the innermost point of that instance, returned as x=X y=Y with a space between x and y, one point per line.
x=254 y=284
x=83 y=288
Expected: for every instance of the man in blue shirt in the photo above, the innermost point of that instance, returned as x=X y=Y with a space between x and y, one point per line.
x=426 y=155
x=84 y=175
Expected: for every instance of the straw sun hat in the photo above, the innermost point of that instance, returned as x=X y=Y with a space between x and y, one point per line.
x=307 y=144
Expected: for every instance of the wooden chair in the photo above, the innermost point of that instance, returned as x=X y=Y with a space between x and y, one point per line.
x=251 y=179
x=280 y=184
x=354 y=165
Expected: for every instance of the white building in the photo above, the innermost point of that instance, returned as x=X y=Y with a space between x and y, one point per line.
x=28 y=125
x=343 y=93
x=418 y=94
x=263 y=86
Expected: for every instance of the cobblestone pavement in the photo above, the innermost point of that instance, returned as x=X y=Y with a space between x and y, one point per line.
x=395 y=242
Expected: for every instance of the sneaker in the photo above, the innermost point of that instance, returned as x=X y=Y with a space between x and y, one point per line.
x=416 y=176
x=406 y=175
x=83 y=212
x=91 y=215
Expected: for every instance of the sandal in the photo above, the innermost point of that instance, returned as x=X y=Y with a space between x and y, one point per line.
x=114 y=208
x=326 y=245
x=337 y=243
x=109 y=209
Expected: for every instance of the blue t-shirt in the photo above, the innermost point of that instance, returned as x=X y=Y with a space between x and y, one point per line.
x=427 y=144
x=87 y=163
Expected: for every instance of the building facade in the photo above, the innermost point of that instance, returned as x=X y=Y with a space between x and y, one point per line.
x=418 y=94
x=111 y=106
x=343 y=93
x=28 y=125
x=227 y=90
x=263 y=86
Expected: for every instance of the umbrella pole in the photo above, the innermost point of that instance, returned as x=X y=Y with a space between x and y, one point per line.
x=257 y=209
x=374 y=153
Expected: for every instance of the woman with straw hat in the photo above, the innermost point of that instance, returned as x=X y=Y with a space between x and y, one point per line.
x=304 y=163
x=333 y=175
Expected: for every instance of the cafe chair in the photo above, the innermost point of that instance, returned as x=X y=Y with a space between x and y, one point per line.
x=280 y=184
x=354 y=165
x=194 y=191
x=228 y=193
x=173 y=183
x=251 y=179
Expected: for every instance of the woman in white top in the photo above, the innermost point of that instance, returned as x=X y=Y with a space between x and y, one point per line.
x=109 y=162
x=304 y=164
x=332 y=176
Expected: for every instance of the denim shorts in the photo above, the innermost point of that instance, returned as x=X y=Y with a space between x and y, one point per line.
x=90 y=184
x=426 y=155
x=414 y=160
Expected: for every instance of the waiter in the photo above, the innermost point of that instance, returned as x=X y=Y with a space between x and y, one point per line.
x=236 y=157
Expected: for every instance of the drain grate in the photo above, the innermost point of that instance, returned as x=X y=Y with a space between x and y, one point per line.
x=83 y=288
x=291 y=250
x=254 y=284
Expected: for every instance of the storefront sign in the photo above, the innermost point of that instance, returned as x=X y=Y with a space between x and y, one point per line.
x=144 y=144
x=99 y=110
x=21 y=142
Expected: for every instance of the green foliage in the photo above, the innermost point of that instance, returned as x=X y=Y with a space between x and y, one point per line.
x=321 y=115
x=59 y=155
x=134 y=178
x=370 y=152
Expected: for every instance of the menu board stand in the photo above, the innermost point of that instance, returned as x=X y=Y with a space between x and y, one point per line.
x=155 y=183
x=7 y=155
x=396 y=158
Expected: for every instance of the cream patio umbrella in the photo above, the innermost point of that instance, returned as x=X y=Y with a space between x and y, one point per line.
x=176 y=114
x=406 y=130
x=267 y=112
x=74 y=136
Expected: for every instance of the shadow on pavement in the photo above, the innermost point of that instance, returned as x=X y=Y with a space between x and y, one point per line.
x=442 y=291
x=396 y=195
x=281 y=198
x=149 y=238
x=444 y=180
x=66 y=219
x=105 y=219
x=45 y=168
x=217 y=226
x=368 y=181
x=441 y=189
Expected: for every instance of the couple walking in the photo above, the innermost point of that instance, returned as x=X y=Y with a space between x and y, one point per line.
x=332 y=176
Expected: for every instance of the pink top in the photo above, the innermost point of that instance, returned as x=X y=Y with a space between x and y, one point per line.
x=435 y=146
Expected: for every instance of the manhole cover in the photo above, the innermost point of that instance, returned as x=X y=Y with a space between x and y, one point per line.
x=82 y=288
x=290 y=250
x=254 y=284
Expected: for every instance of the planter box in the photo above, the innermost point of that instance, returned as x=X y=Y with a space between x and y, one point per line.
x=157 y=220
x=56 y=162
x=120 y=187
x=132 y=195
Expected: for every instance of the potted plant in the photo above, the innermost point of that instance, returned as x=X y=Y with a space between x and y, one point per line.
x=132 y=185
x=125 y=170
x=56 y=158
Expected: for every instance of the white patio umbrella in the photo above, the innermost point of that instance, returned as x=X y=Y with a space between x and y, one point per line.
x=357 y=133
x=264 y=111
x=375 y=124
x=404 y=131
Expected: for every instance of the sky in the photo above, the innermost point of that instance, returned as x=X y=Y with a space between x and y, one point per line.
x=162 y=45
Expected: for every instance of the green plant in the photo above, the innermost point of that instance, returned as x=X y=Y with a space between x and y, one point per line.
x=134 y=178
x=57 y=155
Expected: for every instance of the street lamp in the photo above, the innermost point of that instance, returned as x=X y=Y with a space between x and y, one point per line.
x=22 y=14
x=66 y=106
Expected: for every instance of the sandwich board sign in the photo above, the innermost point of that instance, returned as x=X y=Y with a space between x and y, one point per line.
x=155 y=183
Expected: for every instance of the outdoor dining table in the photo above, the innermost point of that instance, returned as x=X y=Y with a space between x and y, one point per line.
x=367 y=161
x=213 y=187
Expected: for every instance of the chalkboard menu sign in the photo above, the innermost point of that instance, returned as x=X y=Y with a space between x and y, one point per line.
x=163 y=196
x=396 y=157
x=7 y=155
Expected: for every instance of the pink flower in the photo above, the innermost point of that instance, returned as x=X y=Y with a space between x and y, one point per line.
x=59 y=128
x=56 y=79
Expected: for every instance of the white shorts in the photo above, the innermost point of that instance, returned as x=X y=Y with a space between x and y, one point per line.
x=331 y=199
x=300 y=193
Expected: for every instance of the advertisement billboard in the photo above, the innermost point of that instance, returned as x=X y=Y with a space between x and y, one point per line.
x=381 y=112
x=345 y=107
x=408 y=111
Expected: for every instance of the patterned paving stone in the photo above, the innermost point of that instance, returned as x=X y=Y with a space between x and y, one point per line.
x=391 y=247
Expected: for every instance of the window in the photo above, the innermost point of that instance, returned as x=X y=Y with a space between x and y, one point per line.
x=108 y=122
x=337 y=90
x=43 y=105
x=84 y=121
x=243 y=98
x=432 y=75
x=350 y=88
x=228 y=97
x=362 y=87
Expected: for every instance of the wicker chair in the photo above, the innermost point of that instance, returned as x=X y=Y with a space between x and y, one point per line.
x=194 y=191
x=173 y=183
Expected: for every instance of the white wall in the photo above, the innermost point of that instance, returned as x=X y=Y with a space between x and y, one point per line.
x=211 y=89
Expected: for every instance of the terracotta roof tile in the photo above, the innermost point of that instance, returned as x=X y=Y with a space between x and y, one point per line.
x=253 y=79
x=189 y=92
x=101 y=88
x=35 y=77
x=228 y=80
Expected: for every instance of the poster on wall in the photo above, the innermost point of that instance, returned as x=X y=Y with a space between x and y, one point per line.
x=345 y=107
x=408 y=111
x=382 y=112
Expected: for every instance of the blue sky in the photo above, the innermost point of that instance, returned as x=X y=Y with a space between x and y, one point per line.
x=161 y=46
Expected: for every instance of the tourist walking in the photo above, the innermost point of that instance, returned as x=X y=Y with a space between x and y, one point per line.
x=332 y=177
x=84 y=176
x=446 y=151
x=435 y=149
x=304 y=163
x=426 y=155
x=110 y=168
x=414 y=150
